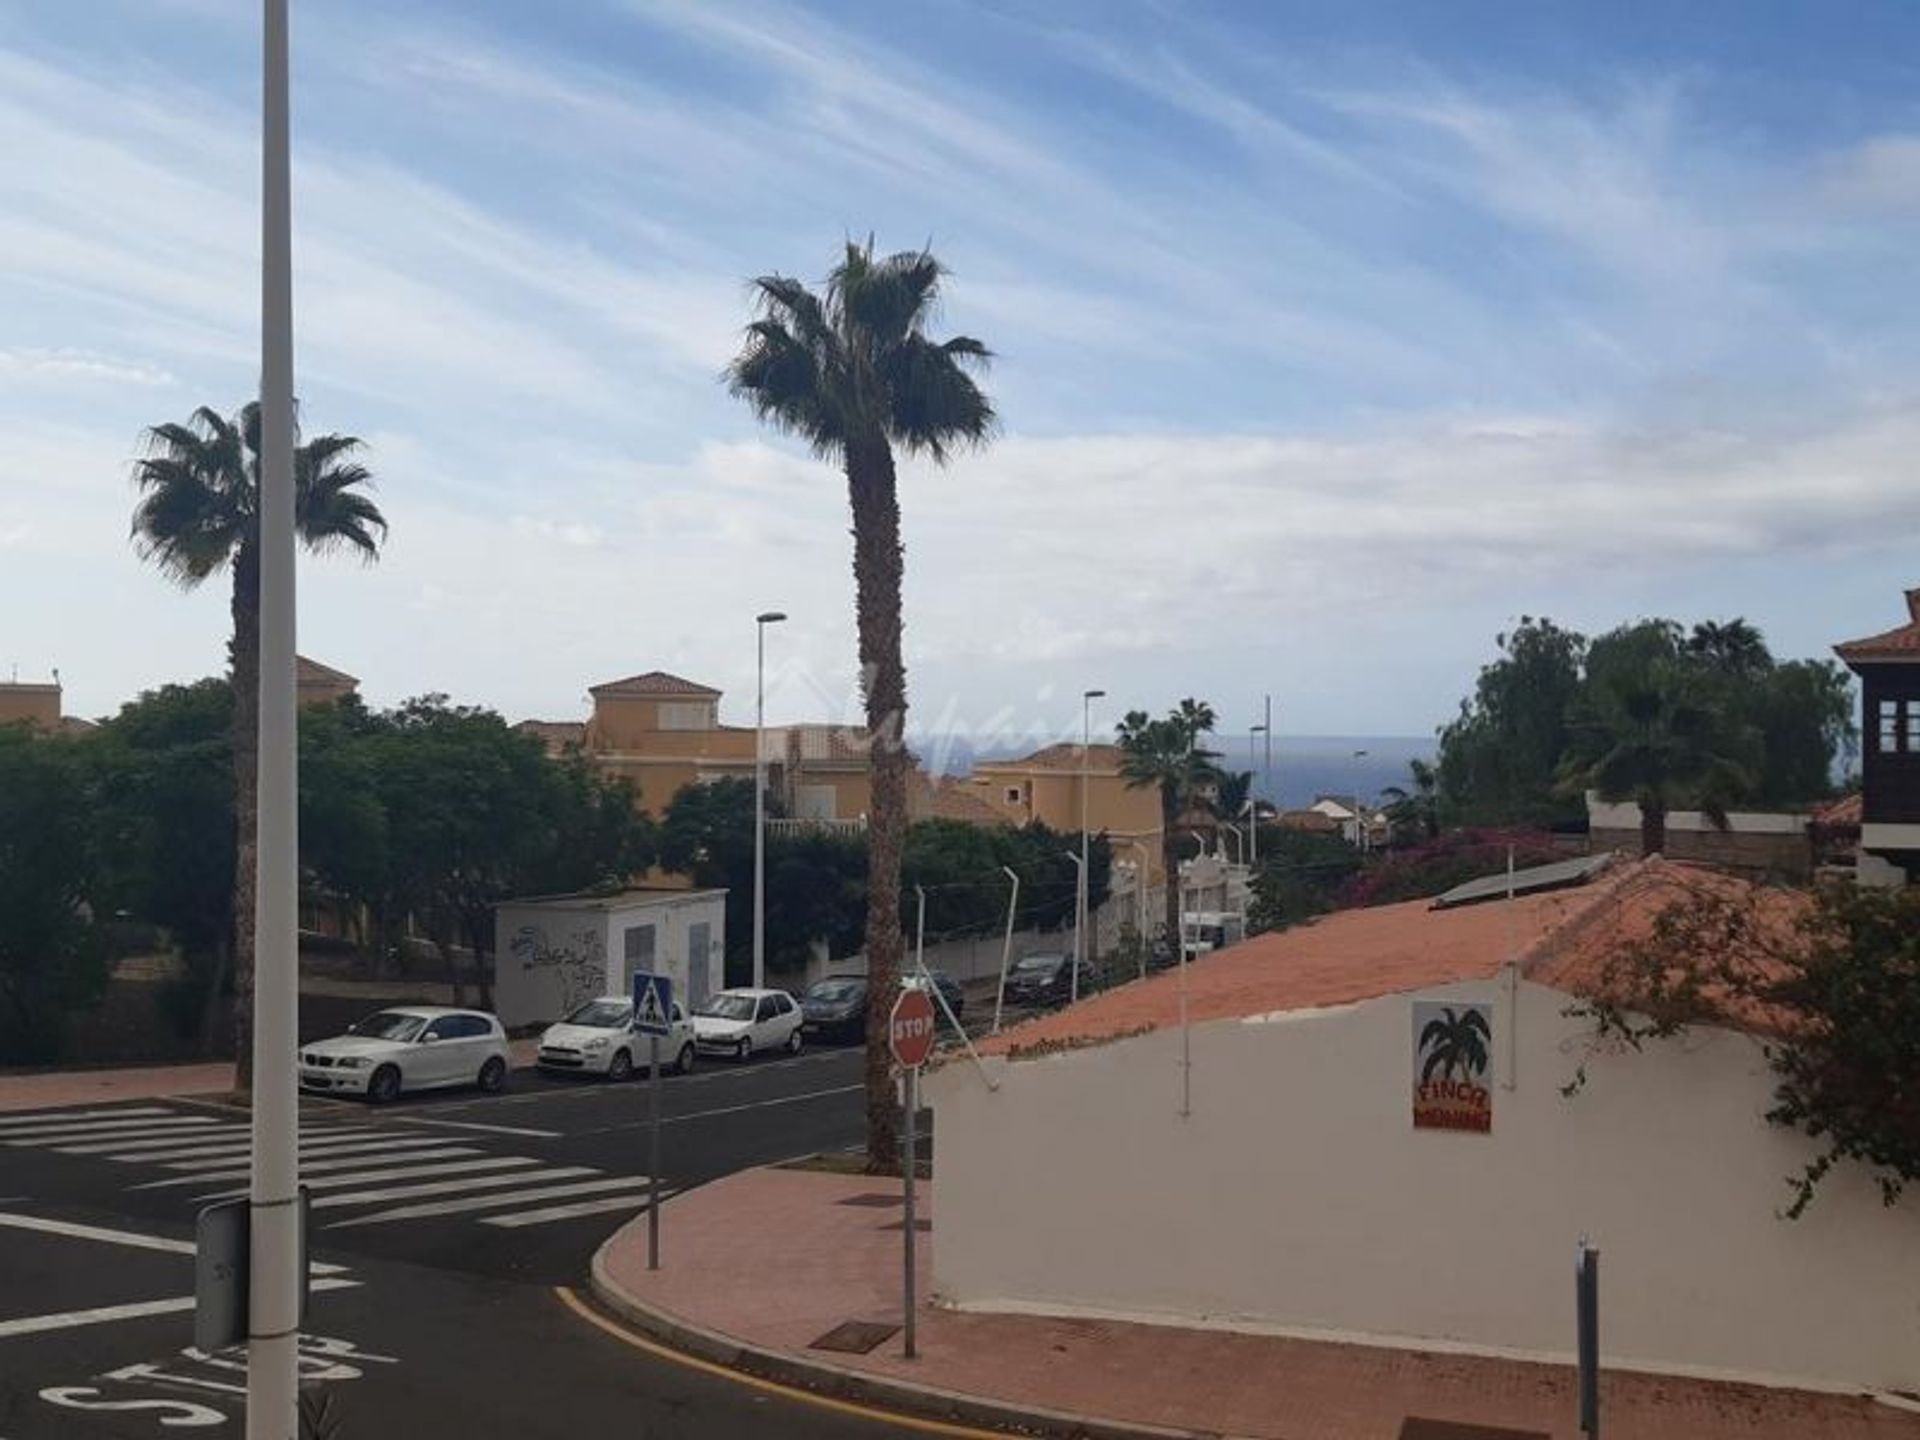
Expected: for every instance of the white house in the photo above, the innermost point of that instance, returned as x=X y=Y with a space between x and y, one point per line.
x=553 y=953
x=1279 y=1166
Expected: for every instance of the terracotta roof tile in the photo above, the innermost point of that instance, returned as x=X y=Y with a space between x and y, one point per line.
x=1846 y=813
x=941 y=797
x=652 y=682
x=1062 y=756
x=312 y=672
x=1900 y=643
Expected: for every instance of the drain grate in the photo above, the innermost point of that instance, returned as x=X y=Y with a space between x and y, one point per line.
x=1414 y=1428
x=874 y=1199
x=855 y=1337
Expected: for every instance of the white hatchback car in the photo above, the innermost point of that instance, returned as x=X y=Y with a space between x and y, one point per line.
x=410 y=1047
x=599 y=1039
x=742 y=1022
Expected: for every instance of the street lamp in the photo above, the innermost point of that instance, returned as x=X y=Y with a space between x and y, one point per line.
x=1087 y=697
x=1253 y=798
x=760 y=622
x=1359 y=823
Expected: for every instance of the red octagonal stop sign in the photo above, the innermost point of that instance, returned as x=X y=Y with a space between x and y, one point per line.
x=910 y=1028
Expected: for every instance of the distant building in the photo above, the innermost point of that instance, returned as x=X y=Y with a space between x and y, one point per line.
x=1888 y=665
x=1046 y=785
x=38 y=704
x=317 y=684
x=1755 y=843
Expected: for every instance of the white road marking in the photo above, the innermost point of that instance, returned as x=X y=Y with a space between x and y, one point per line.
x=202 y=1175
x=146 y=1140
x=471 y=1125
x=131 y=1239
x=185 y=1126
x=232 y=1148
x=453 y=1187
x=568 y=1212
x=491 y=1202
x=22 y=1119
x=404 y=1172
x=72 y=1319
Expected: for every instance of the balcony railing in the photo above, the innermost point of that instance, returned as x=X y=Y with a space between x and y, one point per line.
x=855 y=826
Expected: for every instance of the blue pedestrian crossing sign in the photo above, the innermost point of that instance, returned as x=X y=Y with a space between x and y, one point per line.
x=652 y=1003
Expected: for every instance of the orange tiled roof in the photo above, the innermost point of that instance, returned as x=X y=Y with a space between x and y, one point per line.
x=1846 y=813
x=1561 y=939
x=1900 y=643
x=1062 y=756
x=556 y=735
x=941 y=797
x=312 y=672
x=652 y=682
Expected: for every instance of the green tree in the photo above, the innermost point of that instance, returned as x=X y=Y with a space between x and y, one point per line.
x=51 y=961
x=854 y=374
x=1414 y=814
x=1299 y=876
x=199 y=513
x=1499 y=758
x=1166 y=755
x=164 y=798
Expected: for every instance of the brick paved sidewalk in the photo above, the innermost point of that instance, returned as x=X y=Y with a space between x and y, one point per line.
x=773 y=1259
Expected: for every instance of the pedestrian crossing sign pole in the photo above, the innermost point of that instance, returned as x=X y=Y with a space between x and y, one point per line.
x=653 y=1018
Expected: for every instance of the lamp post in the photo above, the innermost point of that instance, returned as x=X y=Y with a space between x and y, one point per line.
x=1359 y=821
x=760 y=623
x=1253 y=799
x=1087 y=697
x=275 y=1243
x=1079 y=935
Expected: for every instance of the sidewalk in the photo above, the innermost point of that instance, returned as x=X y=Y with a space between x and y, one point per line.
x=757 y=1266
x=56 y=1088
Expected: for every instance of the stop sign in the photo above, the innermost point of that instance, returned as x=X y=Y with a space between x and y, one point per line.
x=910 y=1028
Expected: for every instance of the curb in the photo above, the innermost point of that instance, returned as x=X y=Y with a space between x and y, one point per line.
x=840 y=1382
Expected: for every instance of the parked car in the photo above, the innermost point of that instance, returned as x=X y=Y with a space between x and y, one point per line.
x=948 y=987
x=410 y=1047
x=599 y=1039
x=835 y=1008
x=743 y=1022
x=1046 y=979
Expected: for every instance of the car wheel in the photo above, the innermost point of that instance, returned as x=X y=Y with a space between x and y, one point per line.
x=493 y=1076
x=385 y=1085
x=683 y=1062
x=620 y=1067
x=794 y=1042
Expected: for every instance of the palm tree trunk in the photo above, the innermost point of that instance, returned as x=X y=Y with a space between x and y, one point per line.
x=1170 y=869
x=1653 y=828
x=244 y=662
x=877 y=566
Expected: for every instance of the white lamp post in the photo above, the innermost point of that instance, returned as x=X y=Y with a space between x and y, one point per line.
x=1359 y=821
x=273 y=1192
x=1253 y=799
x=760 y=623
x=1087 y=697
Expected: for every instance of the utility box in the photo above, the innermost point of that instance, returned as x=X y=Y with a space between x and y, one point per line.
x=554 y=953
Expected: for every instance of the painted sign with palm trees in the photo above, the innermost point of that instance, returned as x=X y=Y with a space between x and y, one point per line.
x=1452 y=1066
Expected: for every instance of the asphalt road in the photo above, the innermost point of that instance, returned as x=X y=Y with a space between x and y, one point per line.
x=451 y=1225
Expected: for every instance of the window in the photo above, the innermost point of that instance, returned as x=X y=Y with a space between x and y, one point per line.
x=445 y=1028
x=1891 y=726
x=766 y=1008
x=466 y=1027
x=686 y=715
x=815 y=802
x=781 y=1005
x=1013 y=794
x=638 y=946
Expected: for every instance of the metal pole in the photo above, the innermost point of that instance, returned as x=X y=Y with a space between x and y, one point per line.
x=653 y=1153
x=273 y=1313
x=920 y=932
x=1140 y=901
x=760 y=623
x=1084 y=895
x=908 y=1173
x=1073 y=982
x=1587 y=1319
x=1267 y=770
x=1006 y=947
x=1186 y=1032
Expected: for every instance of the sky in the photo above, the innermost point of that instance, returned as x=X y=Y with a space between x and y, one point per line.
x=1331 y=339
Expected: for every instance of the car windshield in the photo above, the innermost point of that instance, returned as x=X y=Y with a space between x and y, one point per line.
x=1038 y=964
x=834 y=991
x=602 y=1014
x=728 y=1007
x=388 y=1025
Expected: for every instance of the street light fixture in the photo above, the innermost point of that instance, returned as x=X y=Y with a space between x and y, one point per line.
x=760 y=622
x=1087 y=697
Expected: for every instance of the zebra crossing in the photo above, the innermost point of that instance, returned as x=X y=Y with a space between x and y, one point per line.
x=360 y=1175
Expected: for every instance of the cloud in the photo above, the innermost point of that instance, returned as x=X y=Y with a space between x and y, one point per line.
x=80 y=365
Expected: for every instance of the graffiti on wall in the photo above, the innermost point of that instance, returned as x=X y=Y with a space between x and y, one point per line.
x=576 y=965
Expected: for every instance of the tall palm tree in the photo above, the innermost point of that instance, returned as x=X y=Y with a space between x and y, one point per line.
x=853 y=372
x=1733 y=648
x=199 y=513
x=1166 y=754
x=1654 y=744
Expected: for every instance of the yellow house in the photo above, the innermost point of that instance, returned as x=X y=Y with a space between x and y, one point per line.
x=662 y=732
x=1047 y=786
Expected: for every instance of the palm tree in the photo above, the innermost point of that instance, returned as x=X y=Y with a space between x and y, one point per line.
x=1655 y=745
x=1732 y=648
x=1454 y=1045
x=854 y=374
x=199 y=513
x=1416 y=810
x=1231 y=793
x=1166 y=753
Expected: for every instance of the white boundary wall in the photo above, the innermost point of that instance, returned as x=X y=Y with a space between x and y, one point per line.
x=1297 y=1198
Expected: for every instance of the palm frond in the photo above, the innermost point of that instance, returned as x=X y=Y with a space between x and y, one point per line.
x=935 y=404
x=784 y=382
x=888 y=300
